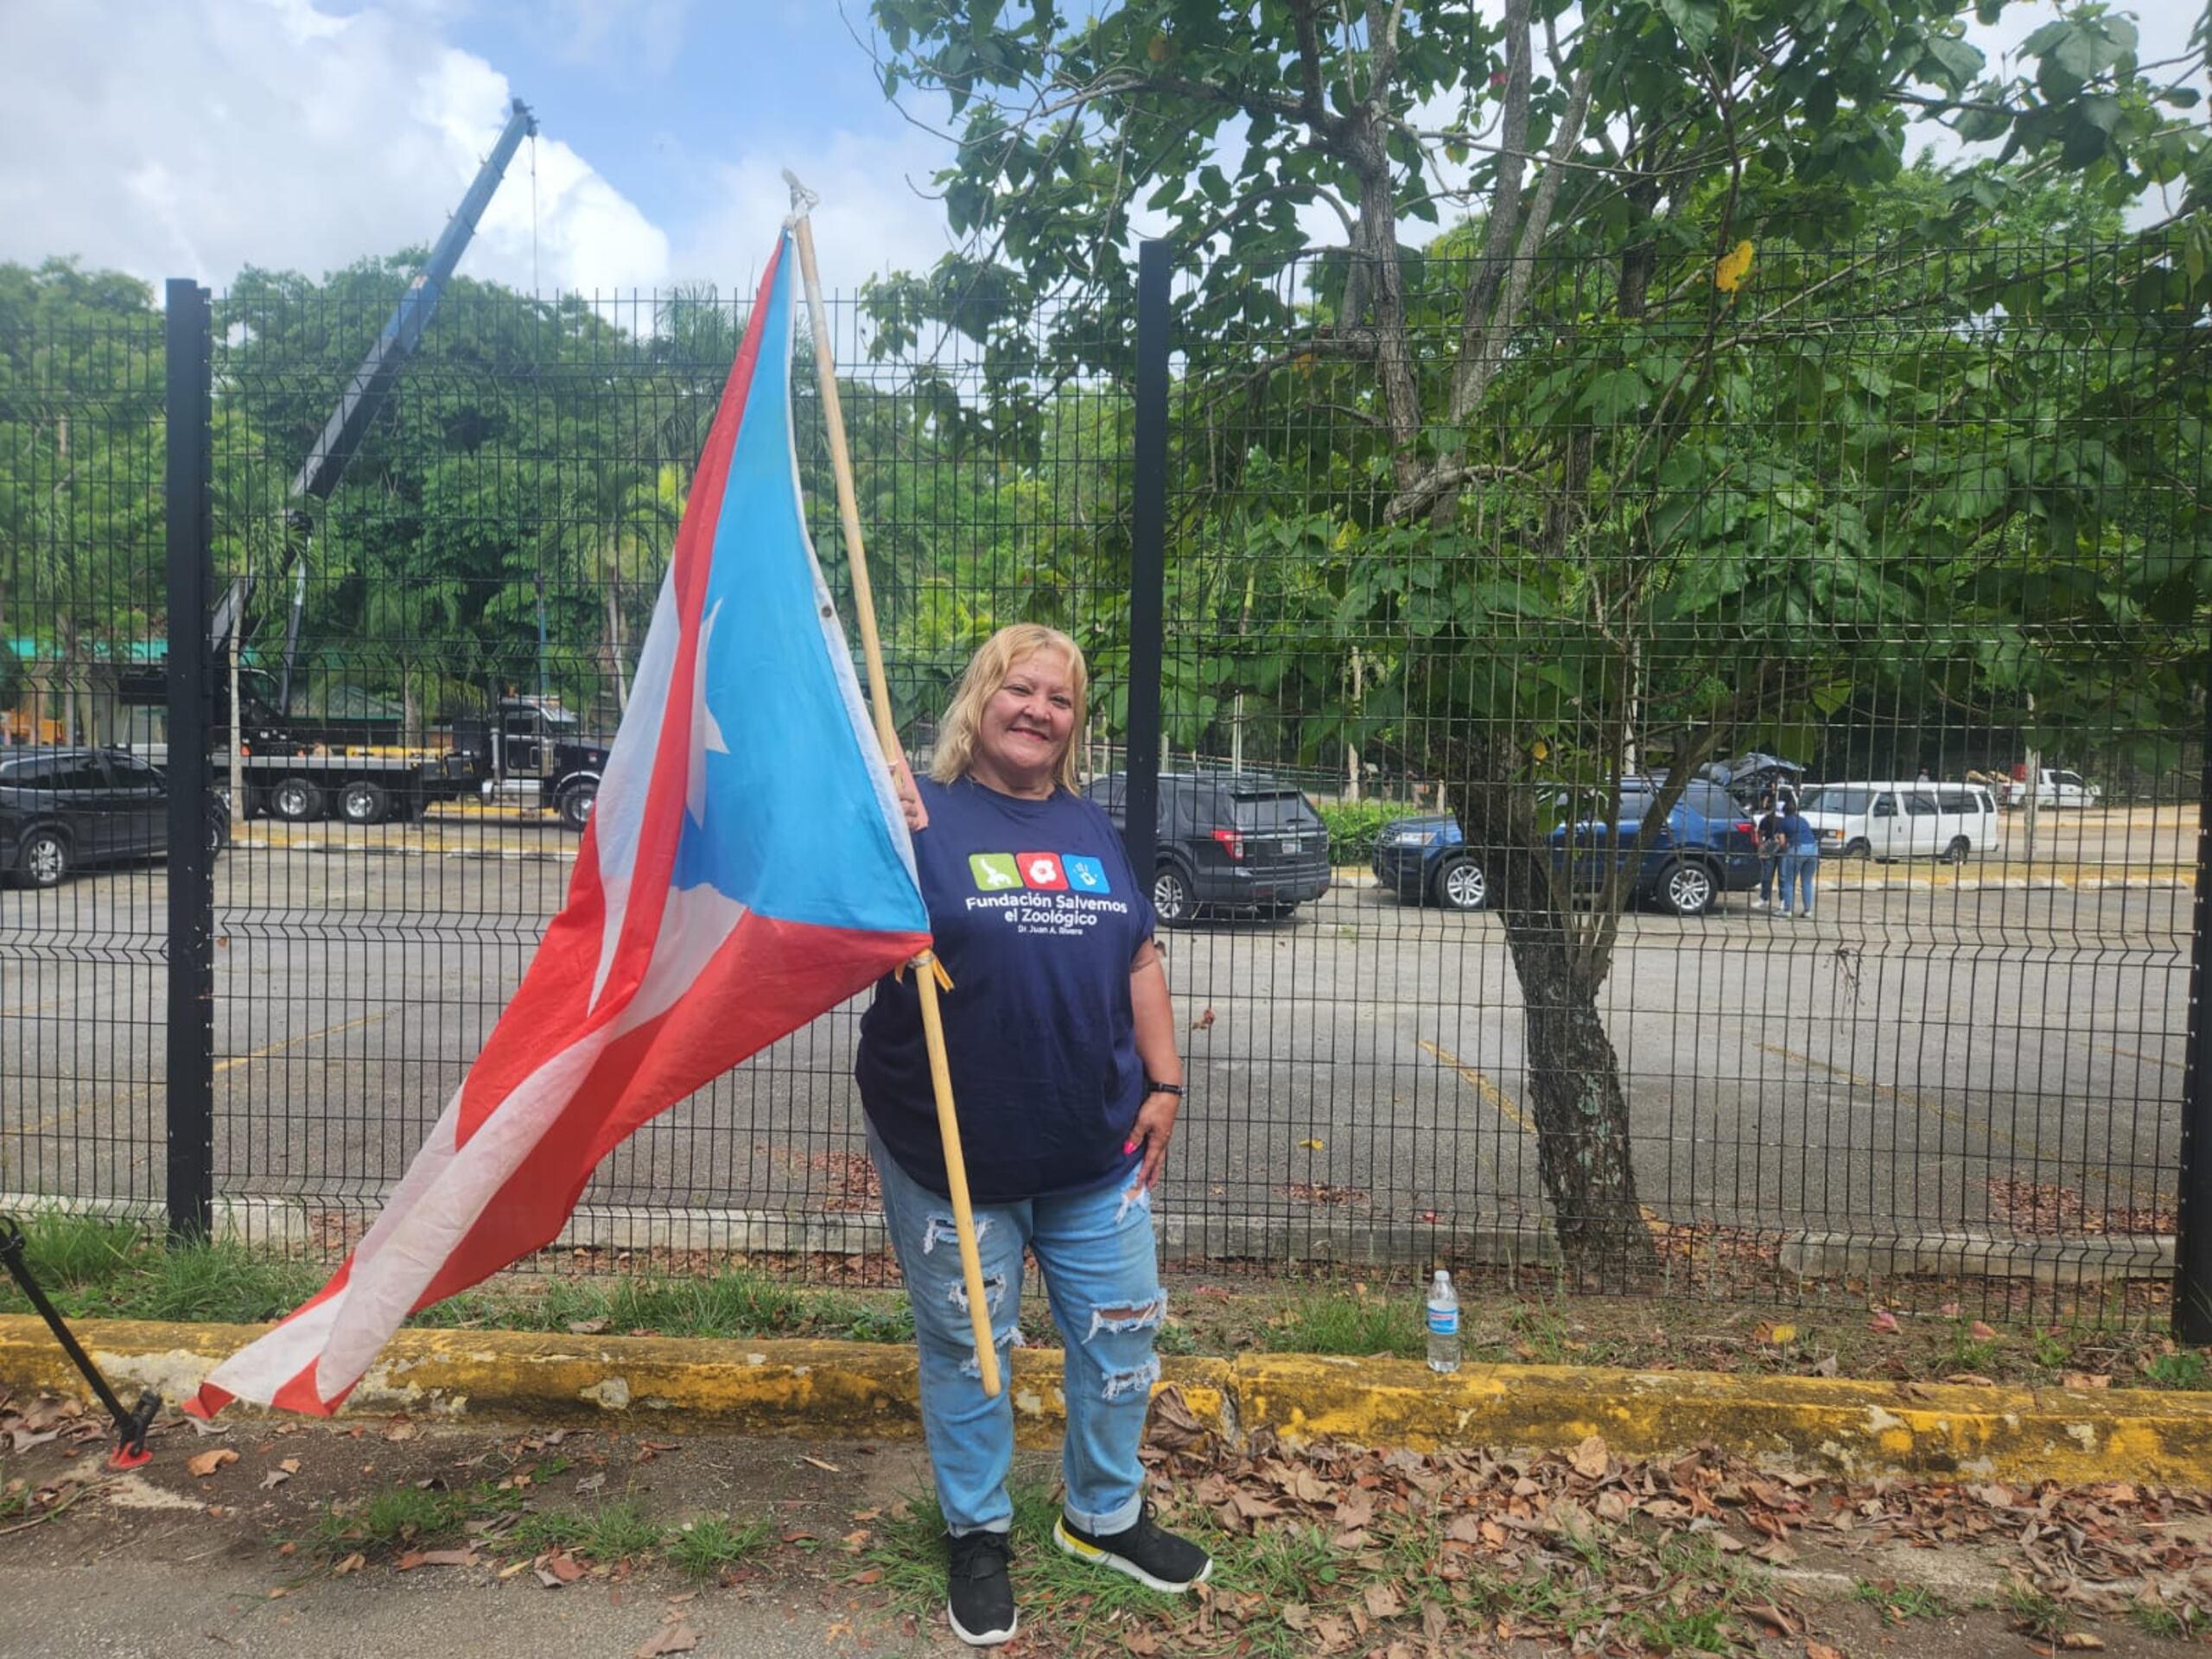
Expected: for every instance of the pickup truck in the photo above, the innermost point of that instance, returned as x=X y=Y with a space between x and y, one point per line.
x=2055 y=787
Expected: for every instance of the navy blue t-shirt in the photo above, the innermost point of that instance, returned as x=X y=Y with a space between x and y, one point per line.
x=1037 y=916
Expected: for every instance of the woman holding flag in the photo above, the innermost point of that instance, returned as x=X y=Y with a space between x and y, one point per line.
x=1061 y=1041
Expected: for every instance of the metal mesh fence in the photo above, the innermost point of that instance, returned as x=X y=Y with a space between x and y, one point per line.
x=1908 y=536
x=81 y=970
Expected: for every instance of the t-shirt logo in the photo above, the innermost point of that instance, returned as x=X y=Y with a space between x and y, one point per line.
x=1085 y=875
x=993 y=872
x=1042 y=871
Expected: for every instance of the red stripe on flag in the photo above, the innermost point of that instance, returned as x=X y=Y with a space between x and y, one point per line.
x=555 y=994
x=768 y=978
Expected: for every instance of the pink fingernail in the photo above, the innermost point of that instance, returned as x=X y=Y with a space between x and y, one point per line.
x=1130 y=1145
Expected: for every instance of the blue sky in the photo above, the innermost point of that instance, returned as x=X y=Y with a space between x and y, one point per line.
x=192 y=138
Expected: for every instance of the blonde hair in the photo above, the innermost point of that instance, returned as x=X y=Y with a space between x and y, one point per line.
x=988 y=670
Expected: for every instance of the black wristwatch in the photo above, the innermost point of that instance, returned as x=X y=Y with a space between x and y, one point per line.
x=1174 y=1089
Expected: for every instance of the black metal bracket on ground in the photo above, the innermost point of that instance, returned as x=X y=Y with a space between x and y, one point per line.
x=130 y=1426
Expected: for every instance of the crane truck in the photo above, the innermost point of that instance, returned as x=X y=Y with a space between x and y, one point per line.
x=268 y=765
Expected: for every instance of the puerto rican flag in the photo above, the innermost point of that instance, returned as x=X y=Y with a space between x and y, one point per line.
x=746 y=868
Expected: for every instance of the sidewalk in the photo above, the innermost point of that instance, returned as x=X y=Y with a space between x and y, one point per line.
x=1353 y=1506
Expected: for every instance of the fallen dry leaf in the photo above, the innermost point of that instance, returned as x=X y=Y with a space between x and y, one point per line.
x=678 y=1638
x=1203 y=1022
x=587 y=1327
x=1821 y=1650
x=208 y=1462
x=1593 y=1458
x=2082 y=1642
x=821 y=1464
x=1885 y=1321
x=416 y=1557
x=274 y=1478
x=2086 y=1381
x=1983 y=1331
x=353 y=1563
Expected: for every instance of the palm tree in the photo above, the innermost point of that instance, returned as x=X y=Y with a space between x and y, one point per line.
x=619 y=518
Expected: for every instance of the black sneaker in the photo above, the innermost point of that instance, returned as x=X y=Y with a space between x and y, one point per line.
x=978 y=1598
x=1143 y=1551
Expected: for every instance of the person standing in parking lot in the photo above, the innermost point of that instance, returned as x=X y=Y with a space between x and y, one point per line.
x=1800 y=858
x=1771 y=845
x=1061 y=1041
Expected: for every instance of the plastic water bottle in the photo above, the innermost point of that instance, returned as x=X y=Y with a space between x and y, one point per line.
x=1443 y=1323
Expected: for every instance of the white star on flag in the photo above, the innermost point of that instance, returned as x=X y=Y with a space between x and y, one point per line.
x=706 y=732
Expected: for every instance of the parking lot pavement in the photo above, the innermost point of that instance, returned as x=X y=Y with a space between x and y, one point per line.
x=1360 y=1064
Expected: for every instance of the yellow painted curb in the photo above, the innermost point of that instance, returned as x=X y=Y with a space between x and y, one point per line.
x=841 y=1389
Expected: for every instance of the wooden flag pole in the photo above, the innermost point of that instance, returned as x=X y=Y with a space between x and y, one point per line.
x=925 y=968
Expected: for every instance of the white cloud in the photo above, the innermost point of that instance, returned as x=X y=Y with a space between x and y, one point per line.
x=193 y=138
x=871 y=219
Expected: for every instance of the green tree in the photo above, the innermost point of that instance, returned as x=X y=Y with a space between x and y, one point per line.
x=1564 y=491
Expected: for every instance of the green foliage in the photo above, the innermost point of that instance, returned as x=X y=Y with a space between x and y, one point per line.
x=704 y=1549
x=1353 y=825
x=1359 y=1326
x=2185 y=1368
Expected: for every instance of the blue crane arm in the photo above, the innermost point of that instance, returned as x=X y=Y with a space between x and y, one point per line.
x=365 y=393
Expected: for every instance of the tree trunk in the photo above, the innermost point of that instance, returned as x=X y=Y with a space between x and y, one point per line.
x=614 y=648
x=1581 y=1111
x=1574 y=1076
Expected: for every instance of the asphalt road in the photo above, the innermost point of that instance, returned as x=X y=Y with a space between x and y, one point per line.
x=1874 y=1070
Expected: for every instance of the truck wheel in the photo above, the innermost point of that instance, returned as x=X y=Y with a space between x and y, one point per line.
x=296 y=800
x=1958 y=851
x=1860 y=848
x=364 y=803
x=44 y=858
x=576 y=803
x=218 y=829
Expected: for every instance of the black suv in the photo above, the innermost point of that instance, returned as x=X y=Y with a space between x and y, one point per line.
x=1231 y=841
x=63 y=808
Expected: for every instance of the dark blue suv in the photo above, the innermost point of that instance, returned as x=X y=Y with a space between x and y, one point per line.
x=1425 y=860
x=1707 y=847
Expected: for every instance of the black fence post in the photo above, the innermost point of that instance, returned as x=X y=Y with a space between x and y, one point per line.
x=2193 y=1246
x=1147 y=558
x=188 y=508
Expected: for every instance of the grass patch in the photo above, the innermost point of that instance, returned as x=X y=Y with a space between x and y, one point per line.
x=1898 y=1603
x=706 y=1548
x=2182 y=1369
x=2032 y=1610
x=2156 y=1618
x=1357 y=1325
x=396 y=1518
x=77 y=1252
x=614 y=1533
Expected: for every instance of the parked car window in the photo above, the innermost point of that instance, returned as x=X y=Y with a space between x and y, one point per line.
x=131 y=773
x=29 y=774
x=1920 y=804
x=1260 y=812
x=1959 y=800
x=78 y=772
x=1710 y=800
x=2071 y=778
x=1838 y=800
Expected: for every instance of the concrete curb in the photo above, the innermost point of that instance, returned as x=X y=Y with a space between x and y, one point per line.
x=835 y=1389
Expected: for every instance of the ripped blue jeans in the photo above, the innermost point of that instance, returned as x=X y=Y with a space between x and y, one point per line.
x=1101 y=1272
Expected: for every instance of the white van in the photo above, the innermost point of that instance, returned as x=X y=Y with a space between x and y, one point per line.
x=1954 y=822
